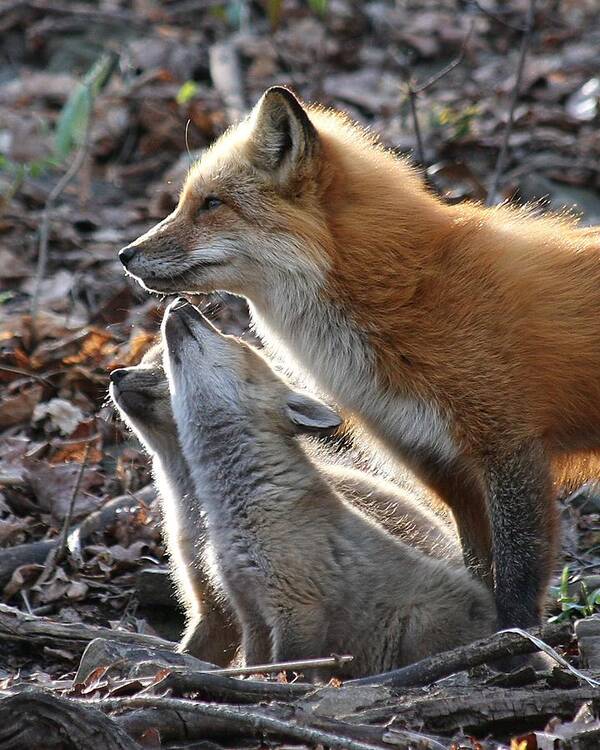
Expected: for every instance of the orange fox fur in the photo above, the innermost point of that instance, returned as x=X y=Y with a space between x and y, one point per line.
x=465 y=339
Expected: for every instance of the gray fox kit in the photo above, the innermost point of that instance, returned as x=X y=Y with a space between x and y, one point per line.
x=306 y=573
x=141 y=394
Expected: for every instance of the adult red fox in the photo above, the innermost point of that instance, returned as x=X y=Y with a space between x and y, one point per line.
x=465 y=339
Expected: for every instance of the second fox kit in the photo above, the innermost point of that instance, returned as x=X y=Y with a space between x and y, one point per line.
x=307 y=574
x=142 y=397
x=141 y=394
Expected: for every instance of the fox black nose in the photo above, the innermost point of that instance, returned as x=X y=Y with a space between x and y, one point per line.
x=127 y=253
x=117 y=375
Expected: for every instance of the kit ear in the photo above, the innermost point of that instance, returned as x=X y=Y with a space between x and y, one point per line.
x=310 y=415
x=283 y=138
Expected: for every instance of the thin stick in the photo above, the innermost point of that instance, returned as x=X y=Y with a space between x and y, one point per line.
x=56 y=554
x=238 y=718
x=55 y=193
x=77 y=441
x=525 y=42
x=496 y=17
x=450 y=67
x=282 y=666
x=497 y=646
x=62 y=544
x=25 y=373
x=412 y=100
x=553 y=654
x=413 y=91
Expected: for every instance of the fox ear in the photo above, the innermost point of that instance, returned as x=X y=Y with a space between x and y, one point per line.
x=283 y=137
x=310 y=415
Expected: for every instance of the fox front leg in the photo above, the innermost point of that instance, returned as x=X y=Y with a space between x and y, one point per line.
x=211 y=635
x=256 y=642
x=524 y=529
x=299 y=635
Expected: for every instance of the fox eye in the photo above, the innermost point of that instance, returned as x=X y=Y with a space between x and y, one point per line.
x=209 y=203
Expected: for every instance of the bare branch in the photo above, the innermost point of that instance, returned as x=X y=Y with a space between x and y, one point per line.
x=413 y=91
x=497 y=646
x=57 y=552
x=55 y=193
x=283 y=666
x=525 y=42
x=448 y=68
x=495 y=16
x=62 y=543
x=240 y=720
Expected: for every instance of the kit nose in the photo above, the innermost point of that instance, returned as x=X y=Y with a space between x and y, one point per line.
x=127 y=253
x=117 y=375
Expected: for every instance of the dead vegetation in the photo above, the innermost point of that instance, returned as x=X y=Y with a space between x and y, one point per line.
x=78 y=517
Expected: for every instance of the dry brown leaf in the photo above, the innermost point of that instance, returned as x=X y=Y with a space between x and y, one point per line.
x=53 y=486
x=74 y=452
x=95 y=347
x=22 y=577
x=139 y=345
x=19 y=408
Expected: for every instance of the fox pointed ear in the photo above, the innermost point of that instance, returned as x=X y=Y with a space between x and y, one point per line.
x=283 y=137
x=310 y=415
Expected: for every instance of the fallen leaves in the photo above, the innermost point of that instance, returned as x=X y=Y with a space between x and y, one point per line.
x=19 y=408
x=62 y=414
x=52 y=486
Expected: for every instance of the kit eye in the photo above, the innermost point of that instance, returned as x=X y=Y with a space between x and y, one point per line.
x=210 y=202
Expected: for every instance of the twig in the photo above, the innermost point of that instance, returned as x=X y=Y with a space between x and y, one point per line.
x=36 y=631
x=76 y=441
x=94 y=15
x=25 y=373
x=239 y=720
x=62 y=544
x=525 y=41
x=413 y=91
x=496 y=17
x=497 y=646
x=553 y=654
x=450 y=67
x=56 y=554
x=31 y=718
x=412 y=100
x=55 y=193
x=283 y=666
x=25 y=599
x=216 y=688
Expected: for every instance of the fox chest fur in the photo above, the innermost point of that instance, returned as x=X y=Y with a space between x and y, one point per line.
x=344 y=365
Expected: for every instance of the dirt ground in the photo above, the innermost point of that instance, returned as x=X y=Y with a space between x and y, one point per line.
x=172 y=76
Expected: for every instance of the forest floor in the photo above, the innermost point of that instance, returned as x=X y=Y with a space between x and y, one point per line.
x=177 y=74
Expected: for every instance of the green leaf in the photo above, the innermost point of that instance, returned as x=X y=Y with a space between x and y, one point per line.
x=187 y=92
x=73 y=120
x=318 y=6
x=274 y=8
x=593 y=598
